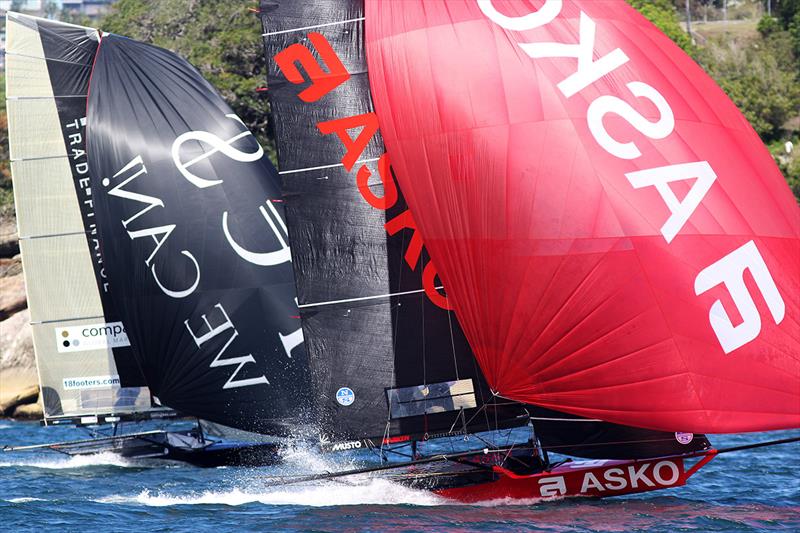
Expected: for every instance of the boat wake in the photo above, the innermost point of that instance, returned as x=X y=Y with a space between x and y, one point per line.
x=67 y=462
x=265 y=487
x=373 y=492
x=25 y=500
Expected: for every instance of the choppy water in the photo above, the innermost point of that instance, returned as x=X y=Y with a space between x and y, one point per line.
x=747 y=491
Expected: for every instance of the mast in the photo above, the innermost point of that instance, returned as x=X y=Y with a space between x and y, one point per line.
x=83 y=355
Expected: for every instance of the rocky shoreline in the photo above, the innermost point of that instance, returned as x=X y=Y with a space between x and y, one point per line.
x=19 y=386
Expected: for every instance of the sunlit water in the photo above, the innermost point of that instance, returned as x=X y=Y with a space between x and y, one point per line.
x=747 y=491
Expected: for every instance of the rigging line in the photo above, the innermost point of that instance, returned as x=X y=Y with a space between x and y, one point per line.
x=452 y=340
x=399 y=284
x=566 y=419
x=321 y=167
x=360 y=299
x=279 y=32
x=758 y=445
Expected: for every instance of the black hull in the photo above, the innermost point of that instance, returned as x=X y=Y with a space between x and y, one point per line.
x=187 y=447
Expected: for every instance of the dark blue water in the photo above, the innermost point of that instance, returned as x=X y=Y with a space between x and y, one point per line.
x=756 y=490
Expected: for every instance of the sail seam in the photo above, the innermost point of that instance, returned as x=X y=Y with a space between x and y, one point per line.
x=363 y=298
x=279 y=32
x=45 y=97
x=326 y=166
x=17 y=54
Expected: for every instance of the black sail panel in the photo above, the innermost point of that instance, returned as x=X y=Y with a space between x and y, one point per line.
x=386 y=359
x=193 y=233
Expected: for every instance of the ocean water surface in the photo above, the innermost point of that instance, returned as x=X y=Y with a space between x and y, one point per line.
x=754 y=490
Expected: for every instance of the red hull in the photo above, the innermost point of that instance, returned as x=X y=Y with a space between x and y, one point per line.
x=597 y=479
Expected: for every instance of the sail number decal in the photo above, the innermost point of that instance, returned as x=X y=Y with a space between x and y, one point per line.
x=325 y=75
x=727 y=271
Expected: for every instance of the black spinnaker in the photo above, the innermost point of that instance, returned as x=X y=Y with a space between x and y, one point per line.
x=190 y=216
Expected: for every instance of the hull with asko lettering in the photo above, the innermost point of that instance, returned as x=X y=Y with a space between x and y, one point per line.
x=596 y=479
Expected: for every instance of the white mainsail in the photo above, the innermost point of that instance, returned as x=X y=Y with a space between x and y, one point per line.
x=73 y=339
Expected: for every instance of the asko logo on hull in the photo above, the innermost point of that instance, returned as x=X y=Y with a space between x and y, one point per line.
x=612 y=477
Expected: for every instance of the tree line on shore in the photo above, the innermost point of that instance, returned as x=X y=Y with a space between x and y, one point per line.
x=756 y=61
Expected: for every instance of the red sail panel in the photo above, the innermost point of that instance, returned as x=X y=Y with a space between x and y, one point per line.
x=614 y=237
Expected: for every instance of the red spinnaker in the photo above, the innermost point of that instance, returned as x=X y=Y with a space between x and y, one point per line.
x=614 y=237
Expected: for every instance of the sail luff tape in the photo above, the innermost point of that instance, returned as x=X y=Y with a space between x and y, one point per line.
x=359 y=19
x=321 y=167
x=364 y=298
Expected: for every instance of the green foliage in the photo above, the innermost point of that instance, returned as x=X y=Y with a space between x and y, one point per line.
x=761 y=77
x=768 y=25
x=753 y=77
x=662 y=13
x=794 y=33
x=221 y=39
x=788 y=163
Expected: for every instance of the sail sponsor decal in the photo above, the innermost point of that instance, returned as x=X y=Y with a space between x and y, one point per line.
x=91 y=337
x=91 y=382
x=319 y=66
x=345 y=446
x=729 y=272
x=345 y=396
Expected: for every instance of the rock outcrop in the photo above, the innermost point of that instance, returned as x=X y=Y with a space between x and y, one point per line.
x=19 y=384
x=12 y=295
